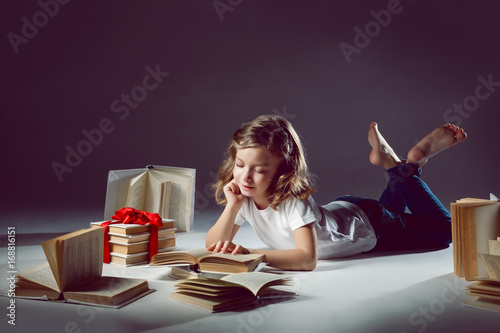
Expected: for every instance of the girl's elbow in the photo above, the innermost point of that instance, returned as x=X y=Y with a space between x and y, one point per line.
x=309 y=264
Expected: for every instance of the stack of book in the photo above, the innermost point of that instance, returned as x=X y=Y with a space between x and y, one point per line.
x=232 y=291
x=486 y=292
x=476 y=249
x=129 y=243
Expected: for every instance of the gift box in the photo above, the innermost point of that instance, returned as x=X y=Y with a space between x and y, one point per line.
x=133 y=236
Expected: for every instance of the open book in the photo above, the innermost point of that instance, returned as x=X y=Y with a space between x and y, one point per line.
x=168 y=191
x=150 y=192
x=73 y=273
x=486 y=292
x=474 y=223
x=208 y=261
x=230 y=291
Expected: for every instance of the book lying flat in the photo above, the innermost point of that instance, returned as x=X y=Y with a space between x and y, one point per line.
x=140 y=246
x=230 y=291
x=486 y=292
x=140 y=237
x=73 y=273
x=134 y=258
x=208 y=261
x=486 y=289
x=133 y=229
x=39 y=282
x=192 y=271
x=483 y=304
x=486 y=295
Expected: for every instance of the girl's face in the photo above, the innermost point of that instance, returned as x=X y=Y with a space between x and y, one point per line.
x=254 y=171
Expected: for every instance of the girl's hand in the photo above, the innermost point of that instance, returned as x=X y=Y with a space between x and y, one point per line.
x=227 y=247
x=233 y=193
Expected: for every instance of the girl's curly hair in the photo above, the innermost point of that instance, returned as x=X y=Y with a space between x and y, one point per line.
x=275 y=134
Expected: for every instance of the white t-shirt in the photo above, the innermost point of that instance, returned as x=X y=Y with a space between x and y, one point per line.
x=342 y=228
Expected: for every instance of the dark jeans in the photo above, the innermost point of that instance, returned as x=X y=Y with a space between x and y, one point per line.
x=427 y=225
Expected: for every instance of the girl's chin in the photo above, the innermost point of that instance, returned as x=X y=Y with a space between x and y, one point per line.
x=246 y=193
x=244 y=189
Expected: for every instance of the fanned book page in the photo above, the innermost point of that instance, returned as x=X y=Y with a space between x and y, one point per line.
x=171 y=195
x=78 y=256
x=137 y=192
x=255 y=281
x=40 y=275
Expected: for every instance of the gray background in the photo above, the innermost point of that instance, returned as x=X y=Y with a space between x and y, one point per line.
x=258 y=57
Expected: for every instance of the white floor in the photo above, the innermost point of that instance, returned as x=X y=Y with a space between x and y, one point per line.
x=412 y=292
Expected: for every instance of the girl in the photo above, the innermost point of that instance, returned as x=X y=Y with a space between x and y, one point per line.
x=265 y=181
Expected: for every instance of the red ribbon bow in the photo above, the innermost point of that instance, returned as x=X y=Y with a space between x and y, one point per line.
x=130 y=215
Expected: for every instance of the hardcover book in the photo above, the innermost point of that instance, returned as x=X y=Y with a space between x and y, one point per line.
x=208 y=261
x=73 y=273
x=474 y=223
x=231 y=291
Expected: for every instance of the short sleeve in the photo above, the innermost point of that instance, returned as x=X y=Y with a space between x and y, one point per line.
x=240 y=218
x=303 y=212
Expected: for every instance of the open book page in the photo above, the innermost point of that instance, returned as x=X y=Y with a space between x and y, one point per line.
x=255 y=281
x=182 y=192
x=79 y=257
x=487 y=228
x=179 y=257
x=192 y=292
x=494 y=247
x=180 y=198
x=137 y=192
x=54 y=252
x=41 y=274
x=474 y=202
x=153 y=194
x=492 y=265
x=229 y=263
x=166 y=189
x=226 y=257
x=117 y=190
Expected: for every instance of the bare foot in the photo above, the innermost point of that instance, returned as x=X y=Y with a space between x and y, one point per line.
x=382 y=154
x=435 y=142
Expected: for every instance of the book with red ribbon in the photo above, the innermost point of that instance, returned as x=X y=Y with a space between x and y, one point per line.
x=129 y=223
